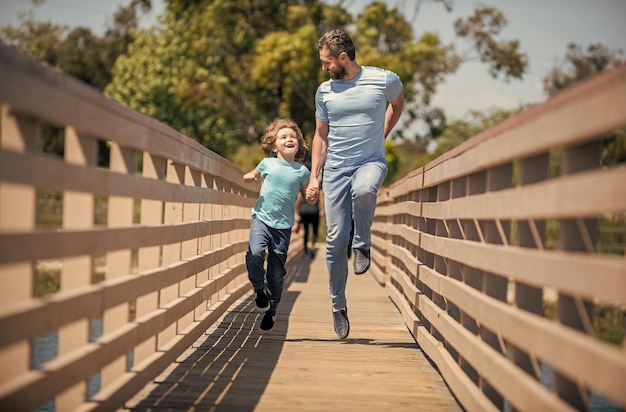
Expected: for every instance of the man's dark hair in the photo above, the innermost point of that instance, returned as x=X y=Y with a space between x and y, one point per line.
x=337 y=42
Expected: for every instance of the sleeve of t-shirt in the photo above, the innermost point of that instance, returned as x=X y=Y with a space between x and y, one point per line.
x=306 y=176
x=262 y=167
x=394 y=86
x=320 y=108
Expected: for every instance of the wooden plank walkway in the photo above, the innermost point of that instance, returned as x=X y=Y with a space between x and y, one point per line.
x=301 y=365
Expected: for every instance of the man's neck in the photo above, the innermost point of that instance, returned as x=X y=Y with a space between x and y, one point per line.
x=353 y=70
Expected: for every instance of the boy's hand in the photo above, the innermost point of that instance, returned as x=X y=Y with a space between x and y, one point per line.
x=249 y=177
x=313 y=191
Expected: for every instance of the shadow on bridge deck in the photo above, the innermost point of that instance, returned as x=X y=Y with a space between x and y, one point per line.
x=301 y=365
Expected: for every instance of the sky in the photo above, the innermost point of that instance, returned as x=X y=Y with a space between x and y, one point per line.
x=543 y=27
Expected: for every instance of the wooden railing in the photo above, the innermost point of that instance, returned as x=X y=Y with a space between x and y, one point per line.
x=123 y=243
x=498 y=256
x=118 y=249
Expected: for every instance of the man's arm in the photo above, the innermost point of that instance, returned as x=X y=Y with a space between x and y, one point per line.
x=392 y=115
x=318 y=157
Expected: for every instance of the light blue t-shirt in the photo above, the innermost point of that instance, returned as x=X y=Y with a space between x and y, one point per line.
x=282 y=181
x=355 y=112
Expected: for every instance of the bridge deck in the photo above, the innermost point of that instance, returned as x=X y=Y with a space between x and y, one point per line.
x=301 y=365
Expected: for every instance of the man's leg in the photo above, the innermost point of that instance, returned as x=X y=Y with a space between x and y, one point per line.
x=338 y=207
x=365 y=184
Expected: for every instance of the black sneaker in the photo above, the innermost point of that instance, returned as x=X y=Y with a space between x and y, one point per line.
x=261 y=301
x=361 y=260
x=342 y=325
x=267 y=323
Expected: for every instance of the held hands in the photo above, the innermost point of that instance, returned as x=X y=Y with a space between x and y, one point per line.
x=313 y=191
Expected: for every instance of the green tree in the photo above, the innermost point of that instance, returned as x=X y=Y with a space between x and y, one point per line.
x=219 y=71
x=77 y=52
x=286 y=71
x=579 y=65
x=414 y=154
x=385 y=39
x=37 y=40
x=503 y=57
x=459 y=131
x=83 y=55
x=242 y=64
x=197 y=71
x=392 y=155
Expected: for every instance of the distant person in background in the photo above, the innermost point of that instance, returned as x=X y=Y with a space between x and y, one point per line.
x=273 y=215
x=309 y=219
x=355 y=110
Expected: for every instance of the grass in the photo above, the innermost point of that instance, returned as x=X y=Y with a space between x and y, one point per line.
x=47 y=279
x=609 y=322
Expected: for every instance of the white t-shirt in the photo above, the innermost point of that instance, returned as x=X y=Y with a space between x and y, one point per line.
x=355 y=112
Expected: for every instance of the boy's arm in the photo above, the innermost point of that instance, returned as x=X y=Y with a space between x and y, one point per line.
x=251 y=176
x=298 y=219
x=299 y=199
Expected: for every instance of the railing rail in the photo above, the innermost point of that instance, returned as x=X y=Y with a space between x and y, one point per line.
x=118 y=254
x=145 y=251
x=478 y=245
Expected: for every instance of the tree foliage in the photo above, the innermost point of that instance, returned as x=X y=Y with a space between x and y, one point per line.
x=461 y=130
x=211 y=85
x=77 y=52
x=415 y=154
x=384 y=38
x=580 y=65
x=219 y=71
x=392 y=156
x=503 y=57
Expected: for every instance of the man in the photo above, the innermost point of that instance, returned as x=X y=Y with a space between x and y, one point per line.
x=355 y=111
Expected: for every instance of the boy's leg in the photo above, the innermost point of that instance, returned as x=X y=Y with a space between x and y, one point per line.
x=276 y=264
x=255 y=256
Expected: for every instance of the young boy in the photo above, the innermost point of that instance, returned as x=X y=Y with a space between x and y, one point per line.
x=273 y=214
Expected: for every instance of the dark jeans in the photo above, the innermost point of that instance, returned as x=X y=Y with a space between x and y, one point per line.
x=276 y=242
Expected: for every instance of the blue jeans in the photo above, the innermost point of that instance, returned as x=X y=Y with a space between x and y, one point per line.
x=349 y=195
x=276 y=242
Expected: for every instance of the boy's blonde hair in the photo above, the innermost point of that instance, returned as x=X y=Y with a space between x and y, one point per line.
x=269 y=138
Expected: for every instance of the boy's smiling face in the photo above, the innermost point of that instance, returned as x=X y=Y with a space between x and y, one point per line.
x=286 y=145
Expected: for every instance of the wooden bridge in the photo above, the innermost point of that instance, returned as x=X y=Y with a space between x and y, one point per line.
x=301 y=365
x=498 y=278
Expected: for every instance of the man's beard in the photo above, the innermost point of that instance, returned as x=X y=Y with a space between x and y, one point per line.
x=338 y=74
